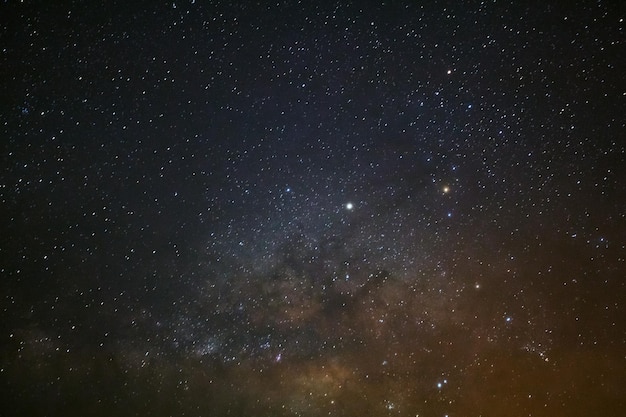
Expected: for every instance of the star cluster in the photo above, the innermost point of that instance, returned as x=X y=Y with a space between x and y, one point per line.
x=306 y=209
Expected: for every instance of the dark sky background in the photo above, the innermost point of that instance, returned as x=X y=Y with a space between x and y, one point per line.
x=312 y=208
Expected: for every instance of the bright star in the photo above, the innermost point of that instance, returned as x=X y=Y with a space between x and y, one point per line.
x=349 y=206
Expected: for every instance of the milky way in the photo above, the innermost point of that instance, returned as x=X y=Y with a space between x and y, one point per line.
x=306 y=209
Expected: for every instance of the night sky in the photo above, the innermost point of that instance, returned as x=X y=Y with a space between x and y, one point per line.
x=312 y=208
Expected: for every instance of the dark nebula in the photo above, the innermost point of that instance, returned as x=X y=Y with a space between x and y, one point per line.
x=312 y=208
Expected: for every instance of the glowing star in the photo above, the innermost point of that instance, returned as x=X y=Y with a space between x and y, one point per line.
x=349 y=206
x=445 y=189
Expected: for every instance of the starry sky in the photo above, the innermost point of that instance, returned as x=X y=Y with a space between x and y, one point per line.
x=222 y=208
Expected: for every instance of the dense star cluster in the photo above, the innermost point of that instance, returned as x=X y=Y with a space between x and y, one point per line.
x=220 y=208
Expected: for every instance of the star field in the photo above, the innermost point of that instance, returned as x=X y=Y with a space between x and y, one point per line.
x=307 y=209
